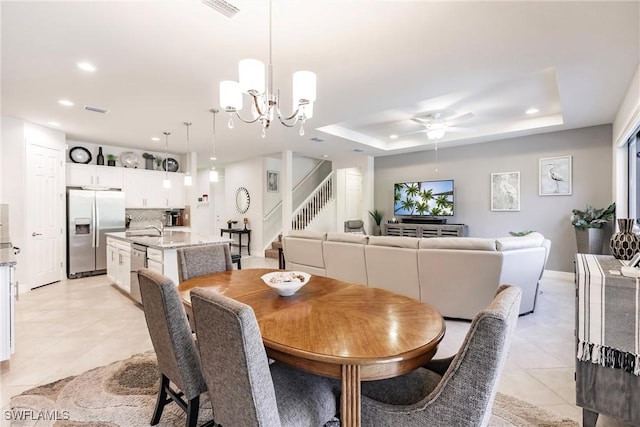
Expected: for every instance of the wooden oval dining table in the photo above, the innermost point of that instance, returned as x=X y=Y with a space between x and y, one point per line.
x=335 y=329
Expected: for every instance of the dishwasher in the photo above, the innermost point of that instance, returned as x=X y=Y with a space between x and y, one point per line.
x=138 y=261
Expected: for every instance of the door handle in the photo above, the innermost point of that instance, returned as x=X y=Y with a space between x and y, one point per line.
x=34 y=234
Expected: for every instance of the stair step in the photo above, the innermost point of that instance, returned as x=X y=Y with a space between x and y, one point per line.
x=271 y=253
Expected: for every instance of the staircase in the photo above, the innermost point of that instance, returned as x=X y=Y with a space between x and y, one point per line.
x=273 y=251
x=308 y=210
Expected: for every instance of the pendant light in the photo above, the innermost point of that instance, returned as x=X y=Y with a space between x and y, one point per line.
x=166 y=182
x=187 y=178
x=213 y=174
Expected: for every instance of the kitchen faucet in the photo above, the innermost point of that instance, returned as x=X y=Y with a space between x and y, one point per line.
x=159 y=229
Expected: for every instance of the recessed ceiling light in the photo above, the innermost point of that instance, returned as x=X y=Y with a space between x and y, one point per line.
x=155 y=138
x=54 y=123
x=86 y=66
x=394 y=136
x=213 y=158
x=532 y=111
x=325 y=155
x=65 y=102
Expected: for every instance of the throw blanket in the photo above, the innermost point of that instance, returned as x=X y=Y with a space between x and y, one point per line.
x=608 y=313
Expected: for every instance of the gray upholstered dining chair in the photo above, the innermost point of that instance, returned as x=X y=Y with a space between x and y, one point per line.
x=174 y=344
x=455 y=392
x=194 y=261
x=354 y=226
x=245 y=390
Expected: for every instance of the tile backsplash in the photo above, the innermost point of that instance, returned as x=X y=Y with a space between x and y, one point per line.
x=141 y=218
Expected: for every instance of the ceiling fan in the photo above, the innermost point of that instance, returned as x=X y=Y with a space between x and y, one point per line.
x=437 y=123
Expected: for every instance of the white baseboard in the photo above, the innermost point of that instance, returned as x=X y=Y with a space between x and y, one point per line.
x=561 y=275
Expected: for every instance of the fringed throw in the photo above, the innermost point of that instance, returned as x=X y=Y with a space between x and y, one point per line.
x=608 y=314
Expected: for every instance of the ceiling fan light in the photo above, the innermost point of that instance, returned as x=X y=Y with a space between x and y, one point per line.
x=251 y=74
x=435 y=133
x=304 y=87
x=230 y=95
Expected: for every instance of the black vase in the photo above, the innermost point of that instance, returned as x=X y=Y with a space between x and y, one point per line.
x=624 y=244
x=100 y=159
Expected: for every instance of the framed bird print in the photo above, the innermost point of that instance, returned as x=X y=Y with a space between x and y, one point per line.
x=505 y=191
x=554 y=176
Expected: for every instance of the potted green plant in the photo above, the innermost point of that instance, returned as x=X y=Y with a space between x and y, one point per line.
x=111 y=160
x=588 y=224
x=377 y=217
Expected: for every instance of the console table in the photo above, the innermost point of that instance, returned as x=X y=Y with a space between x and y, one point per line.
x=607 y=340
x=426 y=230
x=240 y=232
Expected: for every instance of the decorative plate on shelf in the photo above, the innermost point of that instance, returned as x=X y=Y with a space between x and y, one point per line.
x=80 y=155
x=170 y=164
x=130 y=159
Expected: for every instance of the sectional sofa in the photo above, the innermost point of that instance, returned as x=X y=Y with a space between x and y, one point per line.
x=456 y=275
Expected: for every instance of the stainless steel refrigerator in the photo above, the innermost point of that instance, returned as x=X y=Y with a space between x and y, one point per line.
x=91 y=214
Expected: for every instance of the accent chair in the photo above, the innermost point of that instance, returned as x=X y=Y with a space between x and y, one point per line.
x=455 y=392
x=174 y=344
x=354 y=226
x=245 y=390
x=194 y=261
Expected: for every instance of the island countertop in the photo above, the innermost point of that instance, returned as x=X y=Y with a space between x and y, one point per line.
x=7 y=257
x=169 y=239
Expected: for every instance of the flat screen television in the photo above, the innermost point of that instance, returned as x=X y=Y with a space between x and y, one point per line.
x=424 y=198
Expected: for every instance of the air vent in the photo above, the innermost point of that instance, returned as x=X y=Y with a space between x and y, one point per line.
x=358 y=150
x=316 y=139
x=225 y=8
x=96 y=109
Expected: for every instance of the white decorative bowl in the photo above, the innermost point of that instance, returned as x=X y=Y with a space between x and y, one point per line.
x=286 y=283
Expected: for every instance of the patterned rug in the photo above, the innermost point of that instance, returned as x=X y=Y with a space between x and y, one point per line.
x=123 y=394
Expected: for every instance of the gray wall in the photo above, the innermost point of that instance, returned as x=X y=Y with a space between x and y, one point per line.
x=471 y=167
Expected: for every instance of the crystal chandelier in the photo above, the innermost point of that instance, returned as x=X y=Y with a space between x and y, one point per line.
x=265 y=101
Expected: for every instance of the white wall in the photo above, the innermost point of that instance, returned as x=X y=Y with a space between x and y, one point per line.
x=248 y=174
x=471 y=167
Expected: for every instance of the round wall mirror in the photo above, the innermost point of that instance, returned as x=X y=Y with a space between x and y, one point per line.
x=242 y=200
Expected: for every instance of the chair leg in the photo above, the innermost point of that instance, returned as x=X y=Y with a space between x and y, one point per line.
x=192 y=412
x=161 y=400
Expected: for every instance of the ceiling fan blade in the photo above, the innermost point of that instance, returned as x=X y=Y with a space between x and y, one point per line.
x=459 y=117
x=457 y=129
x=420 y=121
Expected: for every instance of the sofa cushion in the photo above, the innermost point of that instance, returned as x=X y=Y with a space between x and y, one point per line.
x=396 y=242
x=467 y=243
x=531 y=240
x=347 y=238
x=303 y=234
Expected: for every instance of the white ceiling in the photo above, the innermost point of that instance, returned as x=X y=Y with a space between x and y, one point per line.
x=378 y=63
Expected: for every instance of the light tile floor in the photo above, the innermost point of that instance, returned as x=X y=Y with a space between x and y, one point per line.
x=69 y=327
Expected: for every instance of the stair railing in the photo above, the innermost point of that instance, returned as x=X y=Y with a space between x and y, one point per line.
x=314 y=204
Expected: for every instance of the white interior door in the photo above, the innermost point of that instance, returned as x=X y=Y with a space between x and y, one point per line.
x=353 y=187
x=44 y=215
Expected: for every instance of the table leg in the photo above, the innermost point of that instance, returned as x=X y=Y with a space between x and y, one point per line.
x=350 y=399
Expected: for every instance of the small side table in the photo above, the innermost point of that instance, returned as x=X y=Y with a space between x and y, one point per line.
x=240 y=232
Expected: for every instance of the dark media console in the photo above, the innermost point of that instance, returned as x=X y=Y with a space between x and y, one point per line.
x=424 y=220
x=425 y=230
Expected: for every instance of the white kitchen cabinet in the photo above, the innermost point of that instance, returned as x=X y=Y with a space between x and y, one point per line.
x=144 y=189
x=119 y=263
x=8 y=294
x=164 y=262
x=81 y=175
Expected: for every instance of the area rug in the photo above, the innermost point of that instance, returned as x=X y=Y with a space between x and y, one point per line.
x=123 y=394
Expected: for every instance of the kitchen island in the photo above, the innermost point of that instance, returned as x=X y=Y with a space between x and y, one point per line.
x=129 y=251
